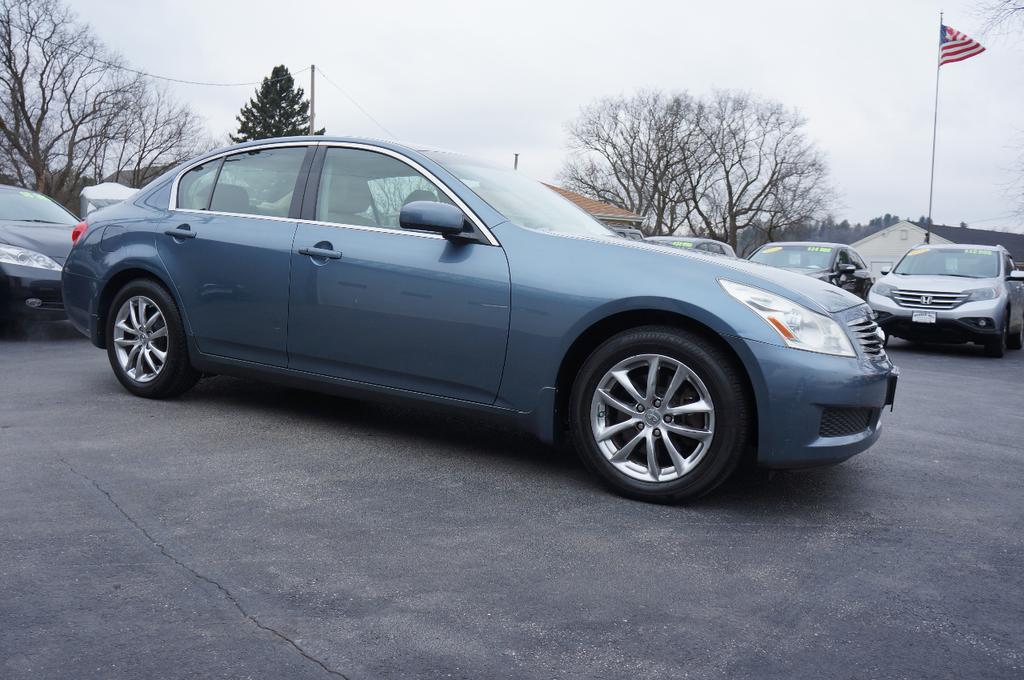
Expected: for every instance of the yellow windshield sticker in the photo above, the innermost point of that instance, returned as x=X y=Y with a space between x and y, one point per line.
x=773 y=249
x=979 y=251
x=818 y=249
x=683 y=244
x=917 y=251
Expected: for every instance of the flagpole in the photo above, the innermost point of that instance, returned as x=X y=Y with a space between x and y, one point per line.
x=935 y=127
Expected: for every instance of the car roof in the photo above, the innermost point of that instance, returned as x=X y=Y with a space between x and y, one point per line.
x=826 y=244
x=960 y=246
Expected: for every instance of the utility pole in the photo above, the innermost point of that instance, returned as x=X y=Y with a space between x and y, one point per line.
x=515 y=163
x=312 y=99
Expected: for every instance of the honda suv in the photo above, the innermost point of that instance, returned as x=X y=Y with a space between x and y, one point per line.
x=953 y=293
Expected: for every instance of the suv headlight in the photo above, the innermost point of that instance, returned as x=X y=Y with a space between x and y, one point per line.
x=883 y=289
x=981 y=294
x=26 y=258
x=798 y=326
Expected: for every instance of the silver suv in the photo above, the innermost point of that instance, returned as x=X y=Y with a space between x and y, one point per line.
x=953 y=293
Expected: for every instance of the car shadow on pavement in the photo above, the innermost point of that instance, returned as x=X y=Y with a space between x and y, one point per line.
x=456 y=433
x=924 y=349
x=41 y=330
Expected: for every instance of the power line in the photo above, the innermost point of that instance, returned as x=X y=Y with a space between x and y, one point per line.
x=356 y=104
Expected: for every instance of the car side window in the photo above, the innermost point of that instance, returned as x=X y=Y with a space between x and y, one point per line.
x=715 y=248
x=259 y=182
x=857 y=260
x=843 y=258
x=195 y=186
x=365 y=188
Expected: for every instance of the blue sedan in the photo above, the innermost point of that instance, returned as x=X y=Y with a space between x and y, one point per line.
x=358 y=266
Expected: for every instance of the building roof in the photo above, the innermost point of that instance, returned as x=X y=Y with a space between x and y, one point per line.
x=1012 y=241
x=598 y=209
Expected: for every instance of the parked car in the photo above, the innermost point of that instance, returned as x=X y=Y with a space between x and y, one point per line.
x=35 y=237
x=953 y=293
x=707 y=245
x=835 y=263
x=366 y=267
x=629 y=232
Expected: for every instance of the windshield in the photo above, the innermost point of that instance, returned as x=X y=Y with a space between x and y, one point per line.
x=972 y=263
x=21 y=205
x=795 y=257
x=519 y=198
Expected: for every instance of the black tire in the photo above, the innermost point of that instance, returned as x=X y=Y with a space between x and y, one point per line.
x=177 y=375
x=996 y=347
x=1016 y=340
x=725 y=383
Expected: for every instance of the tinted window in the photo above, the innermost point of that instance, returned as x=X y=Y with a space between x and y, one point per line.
x=196 y=185
x=843 y=258
x=365 y=188
x=22 y=205
x=972 y=263
x=795 y=257
x=259 y=182
x=857 y=260
x=715 y=248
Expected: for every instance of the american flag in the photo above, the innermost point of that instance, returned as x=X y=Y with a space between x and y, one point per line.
x=955 y=46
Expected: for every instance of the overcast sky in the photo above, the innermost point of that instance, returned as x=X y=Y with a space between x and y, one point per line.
x=492 y=79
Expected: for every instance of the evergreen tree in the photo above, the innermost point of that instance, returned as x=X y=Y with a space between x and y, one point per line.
x=279 y=110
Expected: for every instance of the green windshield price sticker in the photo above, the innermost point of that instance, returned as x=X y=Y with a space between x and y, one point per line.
x=978 y=251
x=818 y=249
x=683 y=244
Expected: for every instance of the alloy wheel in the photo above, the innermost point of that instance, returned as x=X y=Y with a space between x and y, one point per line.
x=140 y=338
x=652 y=418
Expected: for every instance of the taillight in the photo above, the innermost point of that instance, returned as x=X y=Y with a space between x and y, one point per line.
x=77 y=232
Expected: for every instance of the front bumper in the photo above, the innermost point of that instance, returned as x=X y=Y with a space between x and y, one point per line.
x=815 y=409
x=29 y=293
x=970 y=322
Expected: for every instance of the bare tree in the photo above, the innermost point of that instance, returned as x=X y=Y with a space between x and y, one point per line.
x=1001 y=15
x=630 y=152
x=755 y=168
x=71 y=113
x=59 y=95
x=713 y=167
x=154 y=133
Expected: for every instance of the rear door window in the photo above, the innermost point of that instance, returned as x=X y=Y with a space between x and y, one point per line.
x=196 y=185
x=259 y=182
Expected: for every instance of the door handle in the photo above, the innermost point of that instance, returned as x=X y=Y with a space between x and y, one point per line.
x=181 y=231
x=322 y=253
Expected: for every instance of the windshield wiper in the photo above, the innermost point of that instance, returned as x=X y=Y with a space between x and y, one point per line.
x=33 y=219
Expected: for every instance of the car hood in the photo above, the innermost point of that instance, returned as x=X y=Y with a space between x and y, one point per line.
x=781 y=281
x=52 y=240
x=937 y=284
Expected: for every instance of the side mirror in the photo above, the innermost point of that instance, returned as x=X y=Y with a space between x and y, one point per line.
x=846 y=268
x=1016 y=275
x=440 y=218
x=885 y=271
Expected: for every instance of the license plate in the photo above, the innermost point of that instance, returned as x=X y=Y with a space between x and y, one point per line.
x=924 y=317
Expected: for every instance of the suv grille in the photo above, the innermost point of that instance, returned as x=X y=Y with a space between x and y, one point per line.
x=926 y=299
x=865 y=332
x=842 y=422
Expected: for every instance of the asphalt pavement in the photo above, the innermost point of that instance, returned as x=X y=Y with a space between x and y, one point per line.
x=247 y=530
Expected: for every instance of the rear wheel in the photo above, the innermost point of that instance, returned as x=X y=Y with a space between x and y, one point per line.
x=146 y=342
x=660 y=414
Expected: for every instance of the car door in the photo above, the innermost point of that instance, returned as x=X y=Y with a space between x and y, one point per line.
x=845 y=280
x=227 y=249
x=865 y=279
x=386 y=306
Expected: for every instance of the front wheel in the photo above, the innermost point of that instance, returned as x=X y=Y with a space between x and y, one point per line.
x=146 y=342
x=996 y=347
x=660 y=414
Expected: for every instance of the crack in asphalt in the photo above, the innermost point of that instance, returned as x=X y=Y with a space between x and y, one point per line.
x=227 y=593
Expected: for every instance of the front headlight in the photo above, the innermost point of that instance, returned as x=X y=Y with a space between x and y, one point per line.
x=981 y=294
x=883 y=289
x=26 y=258
x=798 y=326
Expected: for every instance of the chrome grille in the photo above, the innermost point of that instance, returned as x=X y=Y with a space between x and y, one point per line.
x=865 y=331
x=927 y=299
